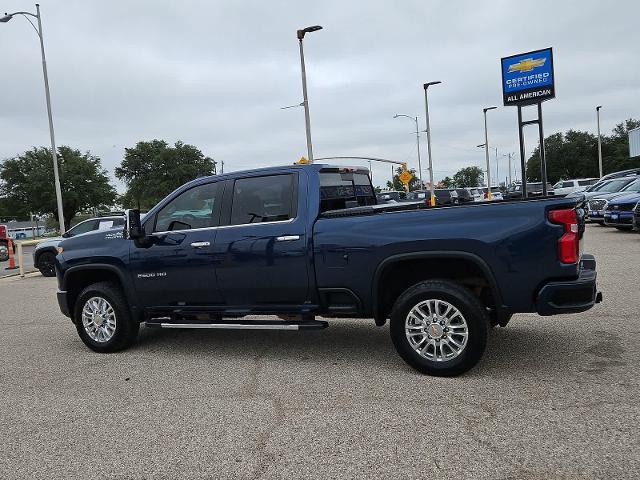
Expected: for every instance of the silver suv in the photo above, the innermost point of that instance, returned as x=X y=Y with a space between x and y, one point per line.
x=44 y=256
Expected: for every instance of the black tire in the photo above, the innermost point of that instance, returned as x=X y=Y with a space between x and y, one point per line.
x=47 y=264
x=126 y=330
x=469 y=306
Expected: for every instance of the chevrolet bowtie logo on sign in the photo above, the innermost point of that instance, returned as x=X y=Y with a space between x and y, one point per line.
x=527 y=78
x=527 y=65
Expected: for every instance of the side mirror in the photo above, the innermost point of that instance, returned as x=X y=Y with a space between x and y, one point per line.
x=133 y=228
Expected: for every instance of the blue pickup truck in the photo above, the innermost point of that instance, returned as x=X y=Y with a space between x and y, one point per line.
x=310 y=240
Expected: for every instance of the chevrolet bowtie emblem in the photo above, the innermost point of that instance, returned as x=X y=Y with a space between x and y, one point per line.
x=527 y=65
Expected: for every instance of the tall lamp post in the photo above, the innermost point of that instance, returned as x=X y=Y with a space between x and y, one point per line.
x=486 y=150
x=415 y=119
x=305 y=100
x=56 y=176
x=599 y=140
x=428 y=129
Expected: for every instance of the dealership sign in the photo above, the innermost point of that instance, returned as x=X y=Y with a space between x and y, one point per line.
x=527 y=78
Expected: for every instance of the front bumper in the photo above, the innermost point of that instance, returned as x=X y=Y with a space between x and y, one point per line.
x=570 y=296
x=62 y=303
x=596 y=216
x=621 y=219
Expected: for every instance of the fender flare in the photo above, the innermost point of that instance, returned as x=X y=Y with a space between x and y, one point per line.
x=436 y=254
x=127 y=284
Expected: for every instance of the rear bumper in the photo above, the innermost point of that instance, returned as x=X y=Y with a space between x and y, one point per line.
x=570 y=296
x=62 y=303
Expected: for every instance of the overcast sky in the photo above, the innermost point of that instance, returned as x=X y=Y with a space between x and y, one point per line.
x=215 y=74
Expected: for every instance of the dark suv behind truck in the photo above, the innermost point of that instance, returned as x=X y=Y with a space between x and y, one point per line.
x=309 y=240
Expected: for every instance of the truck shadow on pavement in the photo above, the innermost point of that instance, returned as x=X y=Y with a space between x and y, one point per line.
x=357 y=342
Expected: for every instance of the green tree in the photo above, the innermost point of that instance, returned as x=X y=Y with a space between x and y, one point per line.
x=447 y=182
x=151 y=170
x=468 y=177
x=574 y=154
x=28 y=187
x=414 y=184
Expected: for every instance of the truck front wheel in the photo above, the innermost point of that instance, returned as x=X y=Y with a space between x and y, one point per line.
x=439 y=328
x=103 y=319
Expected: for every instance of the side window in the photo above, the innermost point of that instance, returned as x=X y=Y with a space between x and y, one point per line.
x=118 y=222
x=567 y=184
x=105 y=224
x=195 y=208
x=83 y=227
x=263 y=199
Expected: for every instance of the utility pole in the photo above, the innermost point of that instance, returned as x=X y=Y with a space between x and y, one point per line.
x=509 y=156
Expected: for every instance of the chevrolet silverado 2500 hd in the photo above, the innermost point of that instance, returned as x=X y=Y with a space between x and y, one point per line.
x=310 y=240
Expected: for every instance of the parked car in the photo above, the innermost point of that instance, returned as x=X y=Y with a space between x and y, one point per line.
x=619 y=211
x=440 y=282
x=4 y=253
x=496 y=193
x=461 y=195
x=565 y=187
x=597 y=204
x=443 y=197
x=636 y=217
x=534 y=189
x=477 y=194
x=391 y=196
x=45 y=252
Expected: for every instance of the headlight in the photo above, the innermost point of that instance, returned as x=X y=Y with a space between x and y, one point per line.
x=60 y=249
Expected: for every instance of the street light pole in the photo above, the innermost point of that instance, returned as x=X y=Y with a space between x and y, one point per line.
x=415 y=119
x=54 y=156
x=486 y=150
x=305 y=99
x=428 y=130
x=599 y=140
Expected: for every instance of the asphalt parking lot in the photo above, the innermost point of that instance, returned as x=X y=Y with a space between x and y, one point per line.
x=554 y=397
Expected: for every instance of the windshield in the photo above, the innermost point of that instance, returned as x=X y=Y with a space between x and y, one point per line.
x=632 y=187
x=614 y=185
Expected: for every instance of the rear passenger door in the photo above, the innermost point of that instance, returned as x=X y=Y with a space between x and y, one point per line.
x=261 y=248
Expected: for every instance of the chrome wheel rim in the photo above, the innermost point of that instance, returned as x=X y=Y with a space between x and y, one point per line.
x=99 y=319
x=436 y=330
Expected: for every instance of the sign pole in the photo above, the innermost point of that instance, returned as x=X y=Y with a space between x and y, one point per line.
x=523 y=166
x=543 y=161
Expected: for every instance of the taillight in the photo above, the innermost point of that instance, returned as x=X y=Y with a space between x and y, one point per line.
x=569 y=242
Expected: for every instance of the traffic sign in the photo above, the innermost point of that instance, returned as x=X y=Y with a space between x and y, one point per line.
x=406 y=177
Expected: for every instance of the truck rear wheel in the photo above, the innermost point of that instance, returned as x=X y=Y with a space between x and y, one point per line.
x=103 y=319
x=439 y=328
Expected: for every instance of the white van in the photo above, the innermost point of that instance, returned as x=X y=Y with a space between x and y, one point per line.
x=565 y=187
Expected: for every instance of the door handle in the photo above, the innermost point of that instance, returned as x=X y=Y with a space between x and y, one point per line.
x=200 y=244
x=287 y=238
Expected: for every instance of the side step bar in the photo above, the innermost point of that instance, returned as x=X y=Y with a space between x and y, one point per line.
x=243 y=325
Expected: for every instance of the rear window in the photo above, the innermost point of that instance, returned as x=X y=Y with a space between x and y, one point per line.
x=343 y=189
x=586 y=183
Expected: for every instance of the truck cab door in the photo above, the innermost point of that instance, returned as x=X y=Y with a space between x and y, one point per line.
x=174 y=266
x=262 y=247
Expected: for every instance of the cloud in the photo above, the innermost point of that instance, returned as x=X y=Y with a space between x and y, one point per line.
x=215 y=74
